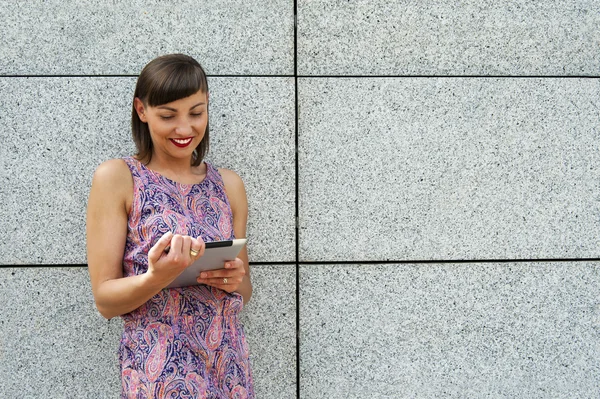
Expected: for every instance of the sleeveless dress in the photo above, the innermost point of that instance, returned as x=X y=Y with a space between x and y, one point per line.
x=184 y=342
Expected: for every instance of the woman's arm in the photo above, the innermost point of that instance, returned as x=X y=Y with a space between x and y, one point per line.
x=237 y=272
x=108 y=204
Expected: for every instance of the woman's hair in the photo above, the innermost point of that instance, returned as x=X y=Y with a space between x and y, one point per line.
x=166 y=79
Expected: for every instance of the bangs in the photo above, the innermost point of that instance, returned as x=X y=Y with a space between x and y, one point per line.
x=177 y=84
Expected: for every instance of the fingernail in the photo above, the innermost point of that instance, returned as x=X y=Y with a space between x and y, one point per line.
x=202 y=275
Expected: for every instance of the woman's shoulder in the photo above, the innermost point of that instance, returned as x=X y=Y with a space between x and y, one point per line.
x=112 y=169
x=112 y=187
x=234 y=187
x=231 y=179
x=113 y=173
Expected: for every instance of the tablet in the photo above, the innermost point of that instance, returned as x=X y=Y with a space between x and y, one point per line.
x=215 y=256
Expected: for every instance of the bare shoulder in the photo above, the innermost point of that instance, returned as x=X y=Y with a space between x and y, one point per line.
x=231 y=179
x=112 y=179
x=234 y=187
x=113 y=173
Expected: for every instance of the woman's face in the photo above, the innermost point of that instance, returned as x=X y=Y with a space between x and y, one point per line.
x=176 y=128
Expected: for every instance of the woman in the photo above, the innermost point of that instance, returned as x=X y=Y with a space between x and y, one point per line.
x=181 y=342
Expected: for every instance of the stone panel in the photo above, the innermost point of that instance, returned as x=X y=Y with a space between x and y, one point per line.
x=252 y=132
x=55 y=344
x=478 y=330
x=434 y=37
x=119 y=37
x=445 y=168
x=270 y=324
x=55 y=131
x=53 y=341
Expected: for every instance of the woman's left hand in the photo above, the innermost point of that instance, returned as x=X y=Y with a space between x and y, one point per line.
x=228 y=279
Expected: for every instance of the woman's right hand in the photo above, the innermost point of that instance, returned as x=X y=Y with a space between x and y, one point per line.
x=164 y=267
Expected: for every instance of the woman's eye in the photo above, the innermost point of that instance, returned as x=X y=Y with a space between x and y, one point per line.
x=165 y=117
x=197 y=114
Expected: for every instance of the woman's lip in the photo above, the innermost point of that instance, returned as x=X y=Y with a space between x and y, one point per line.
x=181 y=143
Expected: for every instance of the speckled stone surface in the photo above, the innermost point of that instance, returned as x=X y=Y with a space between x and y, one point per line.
x=54 y=343
x=270 y=324
x=444 y=168
x=495 y=330
x=435 y=37
x=252 y=132
x=55 y=131
x=120 y=37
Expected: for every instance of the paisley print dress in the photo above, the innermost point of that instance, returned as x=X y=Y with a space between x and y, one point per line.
x=184 y=342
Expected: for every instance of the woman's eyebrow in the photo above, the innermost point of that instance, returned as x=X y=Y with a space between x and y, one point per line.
x=197 y=105
x=174 y=110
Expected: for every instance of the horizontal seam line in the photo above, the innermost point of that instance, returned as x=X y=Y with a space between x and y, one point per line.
x=430 y=261
x=358 y=262
x=325 y=76
x=134 y=76
x=455 y=76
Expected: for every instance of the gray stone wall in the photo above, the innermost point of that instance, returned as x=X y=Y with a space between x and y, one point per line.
x=423 y=178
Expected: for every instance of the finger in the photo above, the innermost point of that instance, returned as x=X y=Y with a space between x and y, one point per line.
x=176 y=244
x=234 y=264
x=223 y=273
x=215 y=274
x=236 y=267
x=198 y=246
x=222 y=281
x=186 y=245
x=157 y=249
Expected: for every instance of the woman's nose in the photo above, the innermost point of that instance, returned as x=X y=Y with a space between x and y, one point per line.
x=184 y=128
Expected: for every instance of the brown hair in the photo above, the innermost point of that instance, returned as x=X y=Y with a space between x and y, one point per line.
x=165 y=79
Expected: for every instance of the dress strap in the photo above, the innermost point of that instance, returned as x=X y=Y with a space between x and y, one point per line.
x=212 y=173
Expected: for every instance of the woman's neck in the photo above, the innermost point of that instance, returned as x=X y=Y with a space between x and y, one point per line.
x=169 y=165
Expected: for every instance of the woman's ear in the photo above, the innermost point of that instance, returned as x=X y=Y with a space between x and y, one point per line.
x=139 y=108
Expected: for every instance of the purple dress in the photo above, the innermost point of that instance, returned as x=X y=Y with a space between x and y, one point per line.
x=184 y=342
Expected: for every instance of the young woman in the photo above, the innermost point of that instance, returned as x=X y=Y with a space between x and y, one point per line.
x=180 y=342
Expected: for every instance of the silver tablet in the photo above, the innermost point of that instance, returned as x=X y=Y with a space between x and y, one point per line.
x=215 y=256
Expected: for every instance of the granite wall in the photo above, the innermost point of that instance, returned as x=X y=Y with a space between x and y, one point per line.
x=423 y=178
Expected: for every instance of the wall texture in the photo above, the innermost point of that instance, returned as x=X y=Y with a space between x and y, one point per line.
x=423 y=178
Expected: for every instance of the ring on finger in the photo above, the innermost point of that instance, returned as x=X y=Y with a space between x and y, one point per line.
x=225 y=280
x=194 y=253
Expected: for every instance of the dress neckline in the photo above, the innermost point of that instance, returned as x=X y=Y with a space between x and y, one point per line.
x=171 y=181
